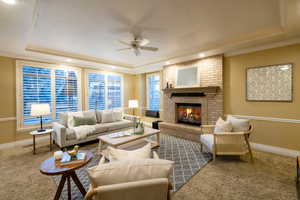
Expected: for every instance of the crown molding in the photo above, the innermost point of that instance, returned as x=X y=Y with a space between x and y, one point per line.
x=89 y=65
x=53 y=52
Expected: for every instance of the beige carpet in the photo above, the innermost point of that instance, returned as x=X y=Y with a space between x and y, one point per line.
x=228 y=178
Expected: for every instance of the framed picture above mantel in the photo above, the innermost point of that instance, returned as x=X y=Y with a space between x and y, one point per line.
x=272 y=83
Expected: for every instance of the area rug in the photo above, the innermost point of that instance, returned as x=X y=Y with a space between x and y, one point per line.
x=186 y=154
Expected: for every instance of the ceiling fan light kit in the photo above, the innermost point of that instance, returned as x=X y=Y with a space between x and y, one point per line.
x=137 y=44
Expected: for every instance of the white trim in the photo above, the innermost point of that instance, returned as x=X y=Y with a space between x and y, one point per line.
x=274 y=119
x=22 y=142
x=4 y=119
x=275 y=150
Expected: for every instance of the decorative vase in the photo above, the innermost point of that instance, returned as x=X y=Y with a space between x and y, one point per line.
x=58 y=155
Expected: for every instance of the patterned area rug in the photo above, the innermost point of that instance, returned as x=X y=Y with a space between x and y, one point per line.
x=186 y=154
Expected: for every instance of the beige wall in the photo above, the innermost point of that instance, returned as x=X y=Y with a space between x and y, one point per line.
x=8 y=99
x=286 y=135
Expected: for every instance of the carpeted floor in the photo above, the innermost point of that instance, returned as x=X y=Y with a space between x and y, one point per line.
x=228 y=178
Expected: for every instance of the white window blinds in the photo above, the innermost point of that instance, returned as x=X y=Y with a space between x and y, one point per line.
x=66 y=91
x=104 y=91
x=58 y=87
x=96 y=87
x=36 y=89
x=153 y=93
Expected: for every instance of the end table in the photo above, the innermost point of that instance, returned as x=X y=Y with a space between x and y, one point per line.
x=35 y=133
x=298 y=170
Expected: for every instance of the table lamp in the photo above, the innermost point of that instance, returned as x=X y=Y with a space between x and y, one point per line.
x=40 y=110
x=133 y=104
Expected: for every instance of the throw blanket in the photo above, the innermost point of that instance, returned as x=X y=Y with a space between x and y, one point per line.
x=82 y=132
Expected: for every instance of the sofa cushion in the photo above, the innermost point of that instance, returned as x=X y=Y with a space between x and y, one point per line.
x=223 y=126
x=207 y=140
x=98 y=115
x=119 y=125
x=239 y=124
x=107 y=116
x=63 y=119
x=118 y=115
x=128 y=171
x=120 y=154
x=90 y=113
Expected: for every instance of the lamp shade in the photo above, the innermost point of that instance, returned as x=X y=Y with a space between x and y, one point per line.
x=133 y=103
x=40 y=109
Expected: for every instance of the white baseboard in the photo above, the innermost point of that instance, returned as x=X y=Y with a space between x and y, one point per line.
x=22 y=142
x=275 y=150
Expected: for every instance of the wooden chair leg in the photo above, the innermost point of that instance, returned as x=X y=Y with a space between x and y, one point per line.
x=249 y=148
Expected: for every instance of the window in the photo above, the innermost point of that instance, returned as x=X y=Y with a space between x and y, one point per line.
x=36 y=89
x=104 y=91
x=40 y=83
x=66 y=91
x=153 y=92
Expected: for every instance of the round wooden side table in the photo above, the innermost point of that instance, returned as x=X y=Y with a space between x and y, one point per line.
x=51 y=168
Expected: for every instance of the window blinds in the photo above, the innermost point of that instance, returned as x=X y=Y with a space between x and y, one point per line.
x=153 y=92
x=104 y=91
x=36 y=89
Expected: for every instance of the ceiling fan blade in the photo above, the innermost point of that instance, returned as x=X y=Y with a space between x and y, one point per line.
x=149 y=48
x=126 y=43
x=144 y=42
x=124 y=49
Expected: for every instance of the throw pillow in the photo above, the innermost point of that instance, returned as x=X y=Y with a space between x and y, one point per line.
x=128 y=171
x=239 y=124
x=119 y=154
x=63 y=119
x=223 y=126
x=118 y=115
x=98 y=115
x=107 y=116
x=71 y=118
x=90 y=113
x=79 y=121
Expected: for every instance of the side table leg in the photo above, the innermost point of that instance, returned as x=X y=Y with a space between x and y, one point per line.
x=60 y=187
x=50 y=141
x=33 y=144
x=158 y=139
x=69 y=188
x=78 y=183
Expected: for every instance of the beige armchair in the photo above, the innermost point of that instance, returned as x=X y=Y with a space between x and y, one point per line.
x=226 y=143
x=152 y=189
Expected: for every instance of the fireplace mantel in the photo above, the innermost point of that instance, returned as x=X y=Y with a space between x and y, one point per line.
x=205 y=90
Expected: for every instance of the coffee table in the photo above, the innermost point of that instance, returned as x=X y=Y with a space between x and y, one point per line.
x=51 y=168
x=125 y=141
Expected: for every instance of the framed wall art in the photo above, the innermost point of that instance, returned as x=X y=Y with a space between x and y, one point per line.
x=270 y=83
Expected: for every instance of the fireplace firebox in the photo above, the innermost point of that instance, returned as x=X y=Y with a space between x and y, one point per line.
x=189 y=113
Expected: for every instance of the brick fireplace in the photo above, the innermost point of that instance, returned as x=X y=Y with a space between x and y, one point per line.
x=208 y=94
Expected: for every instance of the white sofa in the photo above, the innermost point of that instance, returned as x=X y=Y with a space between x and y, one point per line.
x=65 y=136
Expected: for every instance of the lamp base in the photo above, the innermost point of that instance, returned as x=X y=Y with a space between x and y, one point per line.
x=41 y=130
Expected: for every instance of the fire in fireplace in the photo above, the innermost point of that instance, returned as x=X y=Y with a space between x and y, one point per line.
x=189 y=113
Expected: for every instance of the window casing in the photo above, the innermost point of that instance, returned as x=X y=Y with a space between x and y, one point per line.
x=104 y=90
x=44 y=83
x=153 y=91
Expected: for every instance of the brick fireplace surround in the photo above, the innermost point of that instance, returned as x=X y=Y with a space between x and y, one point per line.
x=211 y=85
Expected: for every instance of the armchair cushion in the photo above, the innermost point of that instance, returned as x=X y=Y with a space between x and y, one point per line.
x=129 y=171
x=223 y=126
x=239 y=125
x=120 y=154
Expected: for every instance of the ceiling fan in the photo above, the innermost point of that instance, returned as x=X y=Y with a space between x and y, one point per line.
x=138 y=44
